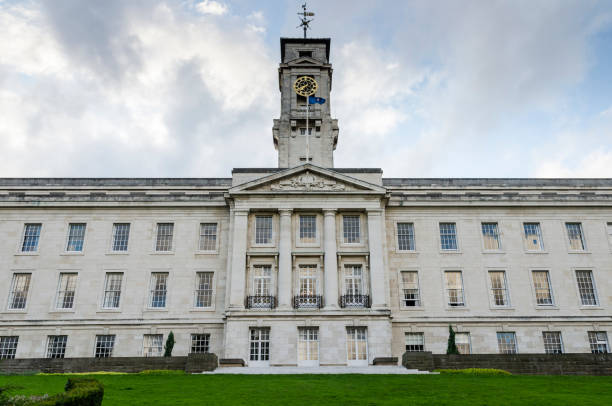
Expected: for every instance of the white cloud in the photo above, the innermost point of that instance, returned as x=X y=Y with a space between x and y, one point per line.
x=211 y=7
x=597 y=164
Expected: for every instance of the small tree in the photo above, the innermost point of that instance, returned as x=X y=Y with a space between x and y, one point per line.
x=169 y=345
x=452 y=346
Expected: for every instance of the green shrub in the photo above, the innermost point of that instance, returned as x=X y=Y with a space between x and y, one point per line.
x=169 y=345
x=474 y=371
x=162 y=372
x=78 y=392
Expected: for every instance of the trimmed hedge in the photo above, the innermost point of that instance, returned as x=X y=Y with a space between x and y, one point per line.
x=78 y=392
x=474 y=371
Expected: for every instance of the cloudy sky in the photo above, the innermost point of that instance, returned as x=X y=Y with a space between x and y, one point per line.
x=421 y=88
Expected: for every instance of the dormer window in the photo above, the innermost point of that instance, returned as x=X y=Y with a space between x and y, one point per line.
x=304 y=54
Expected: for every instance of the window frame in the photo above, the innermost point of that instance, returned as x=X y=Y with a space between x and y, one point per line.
x=111 y=244
x=56 y=298
x=492 y=305
x=414 y=333
x=591 y=343
x=67 y=239
x=261 y=352
x=123 y=273
x=15 y=272
x=304 y=336
x=575 y=271
x=166 y=306
x=608 y=231
x=457 y=250
x=213 y=287
x=500 y=245
x=192 y=346
x=397 y=239
x=22 y=239
x=542 y=249
x=112 y=348
x=253 y=232
x=49 y=354
x=553 y=304
x=447 y=305
x=561 y=345
x=156 y=234
x=150 y=336
x=400 y=285
x=585 y=245
x=357 y=361
x=469 y=341
x=3 y=354
x=318 y=225
x=516 y=344
x=362 y=231
x=199 y=234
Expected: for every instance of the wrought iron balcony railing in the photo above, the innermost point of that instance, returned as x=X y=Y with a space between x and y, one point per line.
x=355 y=301
x=260 y=302
x=307 y=302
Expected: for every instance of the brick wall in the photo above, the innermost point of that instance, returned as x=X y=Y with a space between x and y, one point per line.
x=537 y=364
x=190 y=363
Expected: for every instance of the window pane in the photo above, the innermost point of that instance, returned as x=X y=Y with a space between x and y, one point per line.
x=208 y=236
x=405 y=236
x=56 y=346
x=448 y=236
x=66 y=290
x=76 y=236
x=586 y=288
x=165 y=232
x=599 y=342
x=260 y=344
x=490 y=235
x=454 y=288
x=200 y=343
x=19 y=290
x=552 y=342
x=410 y=289
x=308 y=344
x=462 y=340
x=204 y=289
x=574 y=234
x=506 y=343
x=541 y=282
x=112 y=290
x=263 y=229
x=532 y=237
x=308 y=228
x=159 y=286
x=121 y=235
x=351 y=226
x=415 y=342
x=356 y=343
x=31 y=236
x=8 y=347
x=152 y=345
x=104 y=346
x=353 y=280
x=499 y=290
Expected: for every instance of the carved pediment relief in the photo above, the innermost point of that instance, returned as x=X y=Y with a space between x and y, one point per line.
x=308 y=182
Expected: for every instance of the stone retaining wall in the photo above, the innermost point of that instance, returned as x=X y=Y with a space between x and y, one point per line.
x=537 y=364
x=191 y=363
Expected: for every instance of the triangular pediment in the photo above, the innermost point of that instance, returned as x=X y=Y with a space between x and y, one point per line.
x=305 y=61
x=307 y=178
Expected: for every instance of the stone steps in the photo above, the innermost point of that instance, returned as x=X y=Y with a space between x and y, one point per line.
x=375 y=370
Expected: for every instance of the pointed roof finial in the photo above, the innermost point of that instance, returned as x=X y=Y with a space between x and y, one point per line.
x=304 y=20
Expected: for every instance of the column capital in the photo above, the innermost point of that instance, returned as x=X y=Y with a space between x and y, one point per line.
x=285 y=212
x=329 y=212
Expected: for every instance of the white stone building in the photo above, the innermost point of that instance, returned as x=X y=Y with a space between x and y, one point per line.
x=304 y=264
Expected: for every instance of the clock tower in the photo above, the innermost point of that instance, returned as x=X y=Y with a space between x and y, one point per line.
x=305 y=132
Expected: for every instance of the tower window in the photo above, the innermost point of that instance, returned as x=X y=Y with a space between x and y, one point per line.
x=303 y=54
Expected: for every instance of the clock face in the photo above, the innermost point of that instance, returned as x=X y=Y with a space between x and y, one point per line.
x=305 y=86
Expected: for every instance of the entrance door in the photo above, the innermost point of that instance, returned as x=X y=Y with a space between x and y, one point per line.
x=357 y=346
x=308 y=347
x=259 y=347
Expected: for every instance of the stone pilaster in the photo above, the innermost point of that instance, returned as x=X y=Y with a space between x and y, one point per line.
x=377 y=263
x=238 y=270
x=331 y=261
x=284 y=260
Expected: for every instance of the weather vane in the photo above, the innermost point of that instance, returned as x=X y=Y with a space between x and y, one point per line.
x=304 y=18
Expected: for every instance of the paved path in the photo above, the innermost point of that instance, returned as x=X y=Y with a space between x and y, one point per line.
x=393 y=370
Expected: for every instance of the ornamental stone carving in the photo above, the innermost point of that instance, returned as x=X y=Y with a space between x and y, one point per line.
x=308 y=182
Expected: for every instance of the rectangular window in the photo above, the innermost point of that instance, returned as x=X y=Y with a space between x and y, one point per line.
x=454 y=288
x=499 y=288
x=152 y=345
x=448 y=236
x=204 y=289
x=411 y=297
x=121 y=236
x=586 y=288
x=31 y=236
x=308 y=344
x=506 y=343
x=351 y=226
x=76 y=237
x=353 y=280
x=552 y=342
x=609 y=227
x=208 y=236
x=263 y=229
x=308 y=229
x=541 y=284
x=599 y=342
x=308 y=280
x=575 y=236
x=357 y=343
x=490 y=236
x=305 y=54
x=262 y=280
x=112 y=290
x=260 y=344
x=104 y=346
x=532 y=237
x=303 y=130
x=405 y=237
x=56 y=346
x=200 y=343
x=66 y=291
x=158 y=289
x=8 y=347
x=165 y=232
x=462 y=340
x=18 y=294
x=415 y=342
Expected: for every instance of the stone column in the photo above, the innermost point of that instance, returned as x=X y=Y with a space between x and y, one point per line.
x=377 y=264
x=331 y=261
x=238 y=270
x=284 y=260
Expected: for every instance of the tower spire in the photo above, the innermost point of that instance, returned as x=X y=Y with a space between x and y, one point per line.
x=304 y=21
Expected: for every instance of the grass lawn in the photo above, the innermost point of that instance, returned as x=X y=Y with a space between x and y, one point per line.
x=295 y=390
